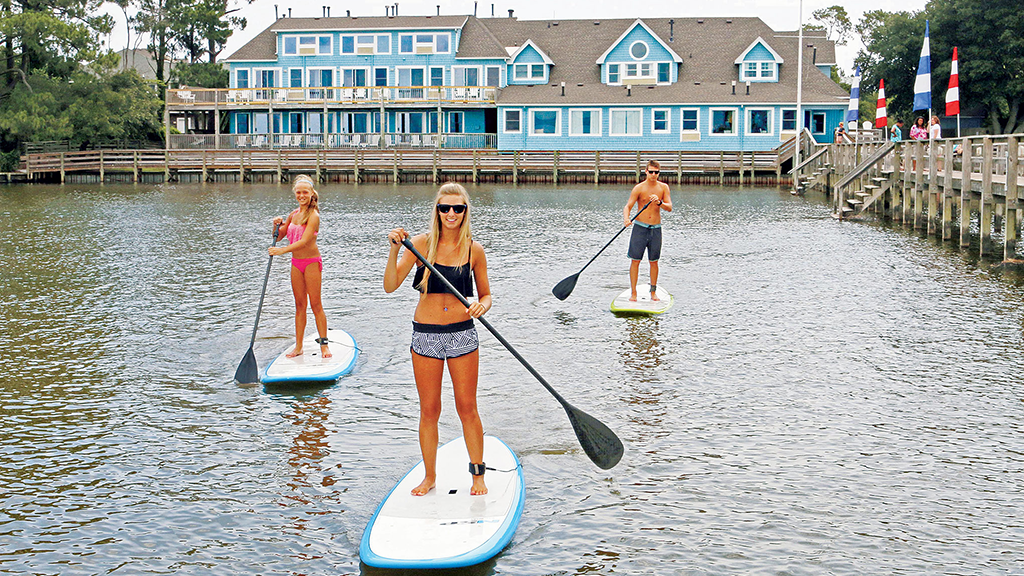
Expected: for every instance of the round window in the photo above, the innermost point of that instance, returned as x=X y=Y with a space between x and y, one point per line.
x=638 y=50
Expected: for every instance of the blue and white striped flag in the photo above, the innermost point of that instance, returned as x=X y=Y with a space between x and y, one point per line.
x=923 y=84
x=852 y=111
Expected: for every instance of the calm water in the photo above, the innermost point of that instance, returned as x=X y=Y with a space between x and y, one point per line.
x=824 y=398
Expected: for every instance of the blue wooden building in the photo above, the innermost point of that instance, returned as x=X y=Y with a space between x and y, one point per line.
x=722 y=84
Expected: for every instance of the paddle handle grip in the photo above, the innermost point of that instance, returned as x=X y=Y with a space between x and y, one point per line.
x=408 y=245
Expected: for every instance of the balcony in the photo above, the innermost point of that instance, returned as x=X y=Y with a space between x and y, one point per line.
x=331 y=141
x=243 y=98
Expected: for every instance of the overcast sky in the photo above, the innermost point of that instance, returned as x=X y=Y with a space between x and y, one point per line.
x=779 y=14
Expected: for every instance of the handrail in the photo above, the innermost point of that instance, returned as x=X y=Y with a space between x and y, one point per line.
x=810 y=159
x=865 y=164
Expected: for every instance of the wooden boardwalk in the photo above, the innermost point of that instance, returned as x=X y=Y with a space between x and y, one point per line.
x=953 y=189
x=406 y=165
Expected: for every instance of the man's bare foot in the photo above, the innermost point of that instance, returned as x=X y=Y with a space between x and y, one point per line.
x=479 y=488
x=325 y=352
x=426 y=486
x=294 y=353
x=633 y=297
x=654 y=297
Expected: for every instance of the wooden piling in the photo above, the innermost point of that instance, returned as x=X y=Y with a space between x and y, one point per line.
x=1012 y=212
x=985 y=208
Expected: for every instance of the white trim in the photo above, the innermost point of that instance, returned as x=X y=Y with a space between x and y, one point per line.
x=558 y=122
x=668 y=121
x=647 y=50
x=611 y=122
x=771 y=121
x=504 y=120
x=593 y=124
x=782 y=119
x=735 y=121
x=775 y=55
x=675 y=57
x=696 y=129
x=543 y=56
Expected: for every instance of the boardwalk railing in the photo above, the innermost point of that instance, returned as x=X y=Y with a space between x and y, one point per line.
x=184 y=98
x=933 y=185
x=275 y=141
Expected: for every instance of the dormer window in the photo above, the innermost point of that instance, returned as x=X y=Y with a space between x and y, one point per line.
x=759 y=63
x=639 y=50
x=758 y=70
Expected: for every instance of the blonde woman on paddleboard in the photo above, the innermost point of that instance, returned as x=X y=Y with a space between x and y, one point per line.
x=301 y=228
x=443 y=329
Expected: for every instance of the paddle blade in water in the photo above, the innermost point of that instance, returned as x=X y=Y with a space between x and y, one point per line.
x=601 y=444
x=248 y=372
x=564 y=288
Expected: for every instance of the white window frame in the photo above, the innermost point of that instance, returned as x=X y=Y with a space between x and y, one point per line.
x=365 y=49
x=771 y=121
x=647 y=50
x=595 y=122
x=683 y=130
x=668 y=121
x=824 y=121
x=618 y=74
x=771 y=68
x=462 y=122
x=524 y=68
x=486 y=73
x=455 y=74
x=755 y=75
x=248 y=78
x=782 y=120
x=366 y=69
x=735 y=121
x=430 y=75
x=543 y=71
x=398 y=74
x=657 y=73
x=376 y=44
x=611 y=122
x=317 y=71
x=426 y=47
x=558 y=122
x=435 y=49
x=413 y=50
x=316 y=44
x=504 y=121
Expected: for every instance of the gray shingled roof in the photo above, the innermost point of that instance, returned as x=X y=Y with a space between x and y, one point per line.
x=264 y=45
x=708 y=47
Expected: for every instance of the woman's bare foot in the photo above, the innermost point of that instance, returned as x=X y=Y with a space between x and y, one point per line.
x=633 y=297
x=426 y=486
x=479 y=487
x=654 y=297
x=296 y=352
x=325 y=352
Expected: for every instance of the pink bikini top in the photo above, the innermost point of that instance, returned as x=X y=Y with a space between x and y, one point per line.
x=295 y=232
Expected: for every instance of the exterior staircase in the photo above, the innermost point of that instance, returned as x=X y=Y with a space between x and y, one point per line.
x=849 y=205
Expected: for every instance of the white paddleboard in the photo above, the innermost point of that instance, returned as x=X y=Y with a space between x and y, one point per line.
x=447 y=527
x=643 y=304
x=310 y=366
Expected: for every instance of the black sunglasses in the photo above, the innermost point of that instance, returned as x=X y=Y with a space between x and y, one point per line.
x=444 y=208
x=654 y=171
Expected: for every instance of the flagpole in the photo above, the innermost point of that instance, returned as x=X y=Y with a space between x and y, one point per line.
x=799 y=96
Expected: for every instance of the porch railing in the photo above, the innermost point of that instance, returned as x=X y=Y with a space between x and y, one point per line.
x=335 y=95
x=331 y=141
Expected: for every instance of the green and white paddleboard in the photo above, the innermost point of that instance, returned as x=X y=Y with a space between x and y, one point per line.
x=643 y=305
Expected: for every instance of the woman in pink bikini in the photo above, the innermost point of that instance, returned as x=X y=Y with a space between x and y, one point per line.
x=301 y=228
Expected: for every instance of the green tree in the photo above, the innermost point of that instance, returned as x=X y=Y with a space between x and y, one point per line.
x=836 y=23
x=892 y=43
x=152 y=19
x=202 y=27
x=201 y=74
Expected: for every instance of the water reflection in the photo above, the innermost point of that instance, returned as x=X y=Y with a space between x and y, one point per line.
x=642 y=351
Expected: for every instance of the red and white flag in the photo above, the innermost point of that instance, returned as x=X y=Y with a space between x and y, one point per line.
x=881 y=121
x=953 y=94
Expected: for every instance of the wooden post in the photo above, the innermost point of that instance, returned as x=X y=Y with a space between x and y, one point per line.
x=637 y=166
x=679 y=168
x=740 y=155
x=216 y=119
x=101 y=167
x=278 y=165
x=135 y=166
x=515 y=168
x=167 y=127
x=965 y=195
x=985 y=208
x=355 y=168
x=597 y=167
x=933 y=187
x=61 y=167
x=394 y=170
x=721 y=168
x=241 y=165
x=476 y=177
x=895 y=191
x=318 y=177
x=204 y=165
x=947 y=192
x=167 y=166
x=433 y=157
x=555 y=175
x=919 y=185
x=1012 y=220
x=907 y=185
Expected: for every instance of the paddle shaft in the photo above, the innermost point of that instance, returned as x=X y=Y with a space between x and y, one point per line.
x=614 y=237
x=486 y=324
x=263 y=293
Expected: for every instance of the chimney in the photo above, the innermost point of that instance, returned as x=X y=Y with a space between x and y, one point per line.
x=492 y=10
x=275 y=12
x=438 y=9
x=396 y=8
x=510 y=12
x=323 y=11
x=387 y=11
x=348 y=13
x=671 y=30
x=289 y=12
x=328 y=11
x=474 y=9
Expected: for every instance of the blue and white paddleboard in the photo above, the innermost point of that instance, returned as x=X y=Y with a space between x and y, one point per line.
x=448 y=528
x=643 y=305
x=310 y=366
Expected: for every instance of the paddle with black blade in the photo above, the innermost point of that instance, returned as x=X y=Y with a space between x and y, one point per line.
x=601 y=444
x=564 y=288
x=248 y=372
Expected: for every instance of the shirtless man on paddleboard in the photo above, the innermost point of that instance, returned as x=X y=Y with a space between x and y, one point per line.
x=646 y=235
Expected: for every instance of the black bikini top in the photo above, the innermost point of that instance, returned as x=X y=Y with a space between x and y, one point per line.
x=459 y=276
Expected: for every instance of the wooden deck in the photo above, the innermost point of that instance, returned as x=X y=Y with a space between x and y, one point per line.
x=953 y=189
x=405 y=165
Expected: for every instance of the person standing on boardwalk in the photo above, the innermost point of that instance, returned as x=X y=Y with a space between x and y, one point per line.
x=919 y=131
x=301 y=228
x=442 y=328
x=646 y=235
x=934 y=129
x=896 y=134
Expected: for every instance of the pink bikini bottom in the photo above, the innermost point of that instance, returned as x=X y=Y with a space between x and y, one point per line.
x=301 y=263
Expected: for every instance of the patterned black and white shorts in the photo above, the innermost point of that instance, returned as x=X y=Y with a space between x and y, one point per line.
x=444 y=340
